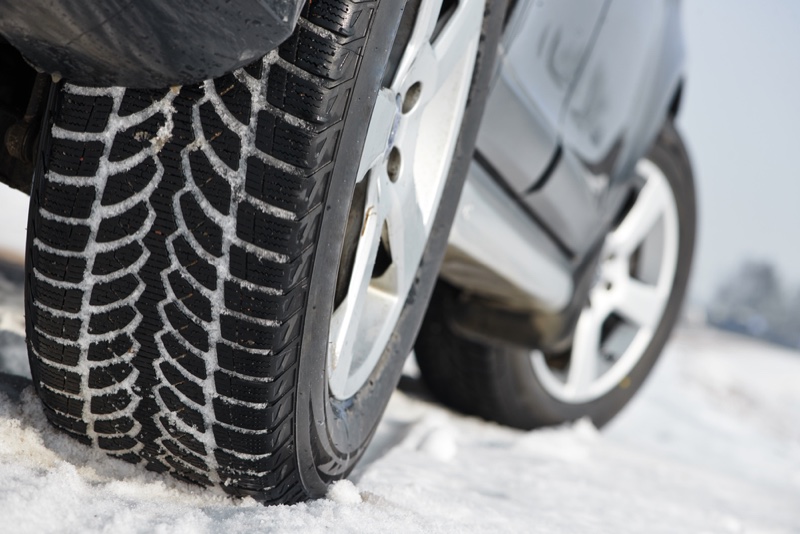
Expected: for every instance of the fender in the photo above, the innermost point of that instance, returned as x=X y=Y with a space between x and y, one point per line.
x=145 y=43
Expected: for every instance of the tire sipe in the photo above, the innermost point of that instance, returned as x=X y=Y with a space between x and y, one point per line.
x=184 y=248
x=508 y=385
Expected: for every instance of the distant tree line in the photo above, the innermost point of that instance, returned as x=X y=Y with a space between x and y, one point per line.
x=754 y=302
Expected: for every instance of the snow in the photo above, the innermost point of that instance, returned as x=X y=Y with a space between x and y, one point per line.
x=711 y=444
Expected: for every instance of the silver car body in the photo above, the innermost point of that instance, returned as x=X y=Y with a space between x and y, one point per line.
x=581 y=91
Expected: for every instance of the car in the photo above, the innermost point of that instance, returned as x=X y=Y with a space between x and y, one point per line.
x=244 y=217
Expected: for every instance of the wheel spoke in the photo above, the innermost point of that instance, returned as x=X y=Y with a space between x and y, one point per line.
x=406 y=227
x=420 y=38
x=381 y=125
x=457 y=38
x=432 y=64
x=348 y=315
x=638 y=302
x=643 y=215
x=585 y=350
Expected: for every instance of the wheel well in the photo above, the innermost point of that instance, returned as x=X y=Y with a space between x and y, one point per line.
x=17 y=80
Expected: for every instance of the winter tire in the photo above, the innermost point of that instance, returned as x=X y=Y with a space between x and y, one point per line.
x=199 y=257
x=622 y=329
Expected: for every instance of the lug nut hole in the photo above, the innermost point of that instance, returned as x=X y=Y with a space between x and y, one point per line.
x=412 y=97
x=394 y=164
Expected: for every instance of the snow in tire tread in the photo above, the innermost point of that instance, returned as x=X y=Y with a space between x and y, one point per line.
x=172 y=234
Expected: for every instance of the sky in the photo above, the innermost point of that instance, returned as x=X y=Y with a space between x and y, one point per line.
x=741 y=120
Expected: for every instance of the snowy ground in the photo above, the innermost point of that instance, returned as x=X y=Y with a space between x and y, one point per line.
x=712 y=444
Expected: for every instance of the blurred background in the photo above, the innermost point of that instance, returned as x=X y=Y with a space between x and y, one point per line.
x=741 y=118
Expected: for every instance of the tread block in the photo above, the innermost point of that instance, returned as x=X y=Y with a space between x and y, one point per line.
x=118 y=259
x=136 y=100
x=247 y=443
x=272 y=233
x=116 y=443
x=225 y=144
x=123 y=225
x=304 y=99
x=57 y=298
x=232 y=462
x=68 y=200
x=183 y=356
x=129 y=457
x=191 y=459
x=60 y=379
x=282 y=189
x=108 y=375
x=120 y=425
x=75 y=427
x=53 y=351
x=202 y=271
x=102 y=351
x=264 y=272
x=191 y=298
x=61 y=403
x=319 y=55
x=114 y=291
x=255 y=69
x=190 y=389
x=188 y=415
x=184 y=438
x=248 y=480
x=75 y=158
x=138 y=137
x=215 y=188
x=155 y=466
x=123 y=186
x=261 y=304
x=347 y=19
x=185 y=474
x=192 y=332
x=83 y=113
x=297 y=146
x=236 y=97
x=110 y=403
x=56 y=267
x=255 y=365
x=253 y=418
x=112 y=320
x=55 y=326
x=204 y=230
x=249 y=334
x=238 y=388
x=63 y=236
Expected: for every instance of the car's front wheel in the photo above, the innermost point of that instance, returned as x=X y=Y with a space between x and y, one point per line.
x=224 y=279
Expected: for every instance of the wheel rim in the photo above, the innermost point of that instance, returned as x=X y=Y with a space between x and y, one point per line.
x=404 y=165
x=627 y=301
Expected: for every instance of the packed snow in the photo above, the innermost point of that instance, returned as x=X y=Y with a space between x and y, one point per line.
x=711 y=444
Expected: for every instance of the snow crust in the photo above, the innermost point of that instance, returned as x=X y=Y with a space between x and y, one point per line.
x=711 y=444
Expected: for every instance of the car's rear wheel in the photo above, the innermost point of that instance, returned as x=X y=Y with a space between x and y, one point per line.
x=630 y=310
x=224 y=279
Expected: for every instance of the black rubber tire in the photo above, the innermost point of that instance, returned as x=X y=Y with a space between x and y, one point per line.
x=178 y=308
x=498 y=382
